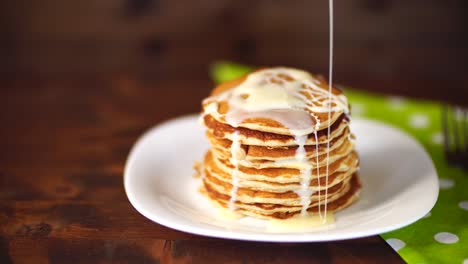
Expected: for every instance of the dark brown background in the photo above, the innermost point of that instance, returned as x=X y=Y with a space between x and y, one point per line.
x=81 y=80
x=388 y=42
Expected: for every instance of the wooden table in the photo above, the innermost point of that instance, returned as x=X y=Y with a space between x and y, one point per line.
x=64 y=142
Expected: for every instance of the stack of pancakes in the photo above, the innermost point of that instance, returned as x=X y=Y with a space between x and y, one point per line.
x=265 y=165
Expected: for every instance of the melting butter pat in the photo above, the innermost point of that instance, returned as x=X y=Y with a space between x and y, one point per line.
x=301 y=223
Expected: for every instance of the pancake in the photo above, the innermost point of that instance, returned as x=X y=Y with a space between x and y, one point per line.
x=258 y=138
x=313 y=158
x=316 y=184
x=312 y=93
x=349 y=194
x=278 y=175
x=276 y=150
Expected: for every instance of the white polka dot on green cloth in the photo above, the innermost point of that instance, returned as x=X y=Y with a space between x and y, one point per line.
x=463 y=205
x=465 y=261
x=445 y=183
x=357 y=109
x=396 y=243
x=446 y=238
x=437 y=138
x=419 y=121
x=396 y=102
x=458 y=114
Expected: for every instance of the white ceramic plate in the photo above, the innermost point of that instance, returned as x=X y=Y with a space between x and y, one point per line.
x=399 y=185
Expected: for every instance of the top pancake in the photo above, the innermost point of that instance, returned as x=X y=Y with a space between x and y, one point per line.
x=278 y=100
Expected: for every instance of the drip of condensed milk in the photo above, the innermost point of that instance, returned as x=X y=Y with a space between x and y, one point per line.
x=304 y=191
x=318 y=171
x=235 y=158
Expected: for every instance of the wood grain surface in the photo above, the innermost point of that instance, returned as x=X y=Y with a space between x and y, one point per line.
x=64 y=143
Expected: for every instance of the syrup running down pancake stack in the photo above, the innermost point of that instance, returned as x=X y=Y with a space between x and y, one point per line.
x=276 y=151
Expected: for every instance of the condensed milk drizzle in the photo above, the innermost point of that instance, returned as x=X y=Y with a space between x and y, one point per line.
x=304 y=191
x=235 y=158
x=285 y=95
x=318 y=172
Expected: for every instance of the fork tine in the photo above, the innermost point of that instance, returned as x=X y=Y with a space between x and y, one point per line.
x=455 y=135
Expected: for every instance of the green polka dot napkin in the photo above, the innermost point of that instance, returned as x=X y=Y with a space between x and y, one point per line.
x=442 y=235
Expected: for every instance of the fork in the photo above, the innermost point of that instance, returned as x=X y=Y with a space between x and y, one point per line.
x=455 y=134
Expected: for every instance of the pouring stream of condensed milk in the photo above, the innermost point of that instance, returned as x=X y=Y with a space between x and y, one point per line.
x=330 y=82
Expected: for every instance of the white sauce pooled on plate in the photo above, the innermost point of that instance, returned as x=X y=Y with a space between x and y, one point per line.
x=301 y=224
